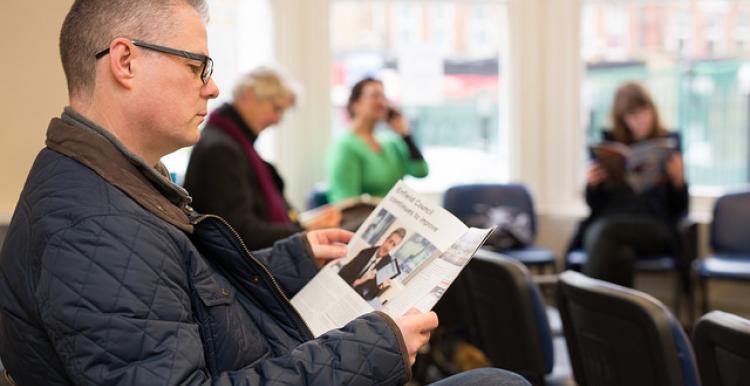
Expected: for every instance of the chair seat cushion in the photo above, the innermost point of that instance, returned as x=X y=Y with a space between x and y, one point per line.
x=655 y=263
x=577 y=258
x=531 y=255
x=724 y=266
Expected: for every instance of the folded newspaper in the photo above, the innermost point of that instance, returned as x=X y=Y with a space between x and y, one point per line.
x=403 y=257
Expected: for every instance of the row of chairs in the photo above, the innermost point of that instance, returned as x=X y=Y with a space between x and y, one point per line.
x=495 y=305
x=615 y=335
x=731 y=258
x=619 y=336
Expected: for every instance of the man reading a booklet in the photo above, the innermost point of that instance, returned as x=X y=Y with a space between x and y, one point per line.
x=636 y=190
x=109 y=277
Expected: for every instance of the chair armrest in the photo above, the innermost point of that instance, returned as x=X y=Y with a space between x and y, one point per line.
x=687 y=230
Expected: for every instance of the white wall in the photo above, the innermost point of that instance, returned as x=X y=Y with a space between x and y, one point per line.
x=33 y=88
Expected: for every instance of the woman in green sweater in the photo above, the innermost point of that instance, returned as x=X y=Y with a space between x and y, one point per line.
x=362 y=161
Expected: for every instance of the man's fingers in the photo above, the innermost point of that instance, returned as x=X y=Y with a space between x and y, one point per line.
x=329 y=251
x=427 y=322
x=338 y=235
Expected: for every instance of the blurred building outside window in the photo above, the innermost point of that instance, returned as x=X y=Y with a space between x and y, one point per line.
x=695 y=59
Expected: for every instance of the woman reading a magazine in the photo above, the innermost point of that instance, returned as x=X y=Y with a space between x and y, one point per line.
x=634 y=209
x=362 y=162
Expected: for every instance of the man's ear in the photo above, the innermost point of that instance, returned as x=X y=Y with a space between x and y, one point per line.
x=122 y=59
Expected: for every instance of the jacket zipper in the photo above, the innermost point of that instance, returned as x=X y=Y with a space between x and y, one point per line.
x=276 y=285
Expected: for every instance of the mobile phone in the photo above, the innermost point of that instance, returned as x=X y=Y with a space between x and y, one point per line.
x=392 y=113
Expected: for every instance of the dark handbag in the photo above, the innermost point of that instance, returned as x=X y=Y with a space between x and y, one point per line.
x=513 y=226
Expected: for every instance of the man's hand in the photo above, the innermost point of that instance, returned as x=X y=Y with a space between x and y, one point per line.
x=385 y=285
x=328 y=244
x=415 y=328
x=369 y=275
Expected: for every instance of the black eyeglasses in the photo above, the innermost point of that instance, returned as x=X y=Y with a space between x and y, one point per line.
x=208 y=63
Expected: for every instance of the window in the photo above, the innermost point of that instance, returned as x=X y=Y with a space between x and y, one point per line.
x=441 y=63
x=239 y=39
x=694 y=57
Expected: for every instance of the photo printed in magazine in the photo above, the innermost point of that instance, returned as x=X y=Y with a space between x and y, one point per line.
x=404 y=256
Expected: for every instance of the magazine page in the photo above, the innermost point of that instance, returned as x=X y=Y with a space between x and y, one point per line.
x=389 y=263
x=647 y=161
x=424 y=291
x=612 y=156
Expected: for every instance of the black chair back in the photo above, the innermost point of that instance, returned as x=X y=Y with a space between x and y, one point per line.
x=617 y=336
x=318 y=196
x=496 y=306
x=460 y=200
x=722 y=347
x=511 y=325
x=731 y=213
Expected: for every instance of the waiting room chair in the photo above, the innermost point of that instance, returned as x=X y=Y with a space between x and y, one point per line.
x=499 y=309
x=318 y=195
x=463 y=200
x=722 y=347
x=729 y=242
x=688 y=233
x=618 y=336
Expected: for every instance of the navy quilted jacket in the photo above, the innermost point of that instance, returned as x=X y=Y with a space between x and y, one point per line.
x=108 y=278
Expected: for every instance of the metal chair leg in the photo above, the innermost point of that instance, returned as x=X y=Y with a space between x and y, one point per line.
x=704 y=294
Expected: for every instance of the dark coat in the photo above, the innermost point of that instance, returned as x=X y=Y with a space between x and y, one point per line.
x=350 y=272
x=664 y=202
x=221 y=181
x=107 y=277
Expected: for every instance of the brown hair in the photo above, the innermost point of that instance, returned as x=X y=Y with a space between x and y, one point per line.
x=91 y=25
x=629 y=98
x=356 y=94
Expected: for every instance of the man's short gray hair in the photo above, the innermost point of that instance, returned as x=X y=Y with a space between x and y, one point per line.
x=266 y=83
x=91 y=25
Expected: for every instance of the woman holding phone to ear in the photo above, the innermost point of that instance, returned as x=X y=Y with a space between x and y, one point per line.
x=362 y=161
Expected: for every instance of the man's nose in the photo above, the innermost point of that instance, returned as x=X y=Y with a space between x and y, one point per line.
x=210 y=90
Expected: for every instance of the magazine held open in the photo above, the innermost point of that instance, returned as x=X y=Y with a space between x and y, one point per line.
x=641 y=165
x=404 y=256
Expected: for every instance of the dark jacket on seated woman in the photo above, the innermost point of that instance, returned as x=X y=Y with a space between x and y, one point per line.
x=225 y=179
x=664 y=202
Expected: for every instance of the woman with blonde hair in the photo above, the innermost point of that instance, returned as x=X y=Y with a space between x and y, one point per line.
x=226 y=176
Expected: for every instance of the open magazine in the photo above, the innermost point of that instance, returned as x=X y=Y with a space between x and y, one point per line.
x=641 y=165
x=404 y=256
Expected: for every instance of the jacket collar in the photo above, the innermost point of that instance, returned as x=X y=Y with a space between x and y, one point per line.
x=84 y=141
x=228 y=110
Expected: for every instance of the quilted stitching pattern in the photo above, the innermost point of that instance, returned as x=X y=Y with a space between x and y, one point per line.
x=94 y=290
